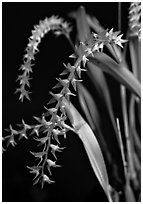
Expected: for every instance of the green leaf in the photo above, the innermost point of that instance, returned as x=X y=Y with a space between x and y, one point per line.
x=91 y=146
x=118 y=71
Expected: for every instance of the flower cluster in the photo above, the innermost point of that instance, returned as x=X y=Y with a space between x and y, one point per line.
x=54 y=24
x=52 y=124
x=135 y=18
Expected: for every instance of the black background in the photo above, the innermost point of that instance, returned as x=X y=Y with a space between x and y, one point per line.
x=75 y=181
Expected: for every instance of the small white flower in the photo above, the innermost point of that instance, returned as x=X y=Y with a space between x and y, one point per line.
x=45 y=178
x=100 y=46
x=95 y=48
x=35 y=170
x=114 y=38
x=51 y=164
x=119 y=41
x=38 y=155
x=84 y=60
x=55 y=20
x=78 y=70
x=11 y=141
x=89 y=51
x=56 y=148
x=34 y=45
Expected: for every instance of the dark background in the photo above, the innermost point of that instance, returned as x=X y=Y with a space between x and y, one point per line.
x=75 y=181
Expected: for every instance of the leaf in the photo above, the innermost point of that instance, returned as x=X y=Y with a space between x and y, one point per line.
x=137 y=163
x=132 y=123
x=89 y=107
x=135 y=52
x=129 y=194
x=82 y=25
x=91 y=111
x=118 y=71
x=91 y=146
x=99 y=81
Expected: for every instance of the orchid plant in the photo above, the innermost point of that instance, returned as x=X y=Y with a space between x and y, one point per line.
x=90 y=58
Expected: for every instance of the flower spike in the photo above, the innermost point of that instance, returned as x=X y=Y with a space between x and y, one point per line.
x=55 y=24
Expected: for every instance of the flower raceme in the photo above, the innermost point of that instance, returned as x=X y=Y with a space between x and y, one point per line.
x=55 y=24
x=52 y=124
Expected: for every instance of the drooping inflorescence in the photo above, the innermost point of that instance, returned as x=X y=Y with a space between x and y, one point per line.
x=54 y=24
x=52 y=124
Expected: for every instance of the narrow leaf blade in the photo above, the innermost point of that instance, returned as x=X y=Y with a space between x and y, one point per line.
x=82 y=25
x=89 y=107
x=91 y=146
x=118 y=71
x=99 y=81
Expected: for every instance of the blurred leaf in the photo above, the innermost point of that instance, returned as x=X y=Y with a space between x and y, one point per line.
x=132 y=121
x=99 y=81
x=137 y=163
x=137 y=142
x=135 y=46
x=139 y=200
x=91 y=146
x=118 y=71
x=135 y=53
x=82 y=25
x=131 y=168
x=129 y=194
x=132 y=111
